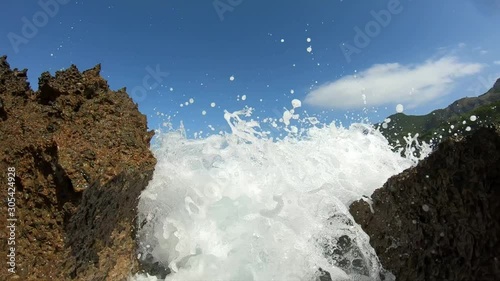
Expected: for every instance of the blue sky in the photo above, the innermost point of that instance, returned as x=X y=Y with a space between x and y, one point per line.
x=421 y=54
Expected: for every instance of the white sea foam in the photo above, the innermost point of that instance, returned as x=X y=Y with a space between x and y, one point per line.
x=241 y=206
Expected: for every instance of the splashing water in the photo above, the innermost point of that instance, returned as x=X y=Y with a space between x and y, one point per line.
x=240 y=206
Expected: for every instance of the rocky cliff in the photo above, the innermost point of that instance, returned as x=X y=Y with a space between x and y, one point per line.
x=441 y=219
x=81 y=157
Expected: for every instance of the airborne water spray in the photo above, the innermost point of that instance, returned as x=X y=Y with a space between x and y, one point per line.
x=240 y=206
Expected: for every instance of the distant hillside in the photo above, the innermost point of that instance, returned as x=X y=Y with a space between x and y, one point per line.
x=441 y=123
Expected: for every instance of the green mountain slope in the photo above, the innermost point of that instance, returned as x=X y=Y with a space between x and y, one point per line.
x=459 y=118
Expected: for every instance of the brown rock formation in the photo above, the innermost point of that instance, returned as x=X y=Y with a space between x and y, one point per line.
x=81 y=155
x=441 y=219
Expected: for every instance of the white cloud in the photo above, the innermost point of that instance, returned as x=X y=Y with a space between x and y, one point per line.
x=391 y=83
x=480 y=50
x=497 y=62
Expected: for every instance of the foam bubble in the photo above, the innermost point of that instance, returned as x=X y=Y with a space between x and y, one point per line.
x=296 y=103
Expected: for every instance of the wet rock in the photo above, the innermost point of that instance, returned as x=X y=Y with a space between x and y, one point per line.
x=149 y=266
x=101 y=236
x=72 y=187
x=324 y=275
x=3 y=113
x=441 y=219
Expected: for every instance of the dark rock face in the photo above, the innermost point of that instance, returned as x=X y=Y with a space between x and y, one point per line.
x=102 y=233
x=81 y=154
x=441 y=219
x=496 y=86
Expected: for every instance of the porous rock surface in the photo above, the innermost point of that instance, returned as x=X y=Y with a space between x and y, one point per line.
x=441 y=219
x=81 y=154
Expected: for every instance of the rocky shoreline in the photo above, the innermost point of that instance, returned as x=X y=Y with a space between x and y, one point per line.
x=81 y=157
x=441 y=219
